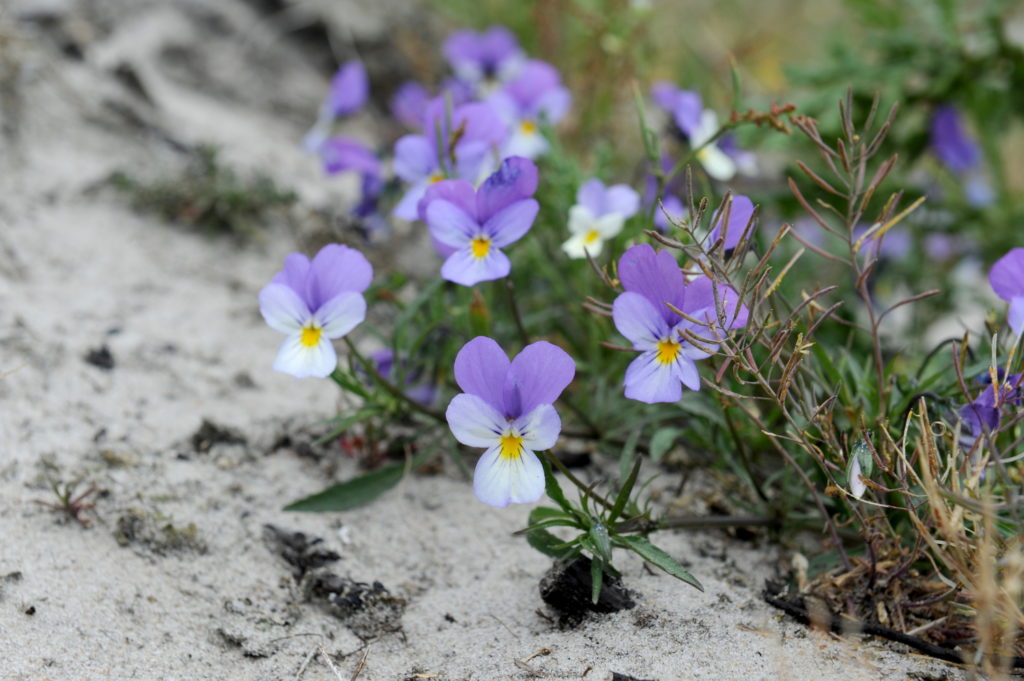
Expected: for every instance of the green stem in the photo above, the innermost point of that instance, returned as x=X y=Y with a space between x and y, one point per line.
x=391 y=387
x=586 y=489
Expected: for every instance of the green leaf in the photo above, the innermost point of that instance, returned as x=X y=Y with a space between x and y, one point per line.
x=549 y=544
x=643 y=547
x=343 y=424
x=628 y=453
x=602 y=543
x=351 y=493
x=596 y=578
x=623 y=497
x=662 y=441
x=551 y=486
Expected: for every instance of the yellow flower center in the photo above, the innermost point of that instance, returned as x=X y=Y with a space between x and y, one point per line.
x=435 y=176
x=310 y=336
x=480 y=246
x=511 y=446
x=592 y=236
x=528 y=127
x=668 y=350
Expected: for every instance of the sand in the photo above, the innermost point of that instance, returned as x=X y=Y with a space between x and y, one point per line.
x=172 y=578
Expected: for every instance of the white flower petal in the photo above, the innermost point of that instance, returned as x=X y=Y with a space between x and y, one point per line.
x=474 y=422
x=580 y=219
x=499 y=480
x=341 y=314
x=577 y=246
x=303 y=361
x=717 y=163
x=282 y=308
x=610 y=225
x=539 y=428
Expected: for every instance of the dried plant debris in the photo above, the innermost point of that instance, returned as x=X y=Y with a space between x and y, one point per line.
x=626 y=677
x=369 y=610
x=210 y=434
x=100 y=358
x=302 y=552
x=567 y=587
x=208 y=195
x=156 y=533
x=941 y=640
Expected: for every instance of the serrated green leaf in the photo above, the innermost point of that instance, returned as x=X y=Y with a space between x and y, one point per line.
x=352 y=493
x=652 y=554
x=662 y=441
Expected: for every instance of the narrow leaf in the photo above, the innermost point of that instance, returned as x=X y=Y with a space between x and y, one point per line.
x=351 y=493
x=652 y=554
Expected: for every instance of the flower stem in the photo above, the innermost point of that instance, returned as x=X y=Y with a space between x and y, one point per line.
x=576 y=481
x=391 y=388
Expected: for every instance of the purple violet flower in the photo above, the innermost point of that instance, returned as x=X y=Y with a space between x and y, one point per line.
x=348 y=93
x=408 y=104
x=950 y=141
x=506 y=407
x=1007 y=280
x=415 y=387
x=984 y=414
x=416 y=162
x=339 y=154
x=737 y=216
x=534 y=95
x=473 y=226
x=598 y=215
x=667 y=357
x=483 y=59
x=314 y=302
x=698 y=125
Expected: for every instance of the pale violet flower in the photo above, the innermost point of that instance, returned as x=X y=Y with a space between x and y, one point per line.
x=699 y=126
x=535 y=95
x=1007 y=280
x=314 y=303
x=599 y=214
x=506 y=408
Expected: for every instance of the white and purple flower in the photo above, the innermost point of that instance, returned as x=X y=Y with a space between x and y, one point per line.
x=641 y=314
x=536 y=94
x=470 y=227
x=481 y=134
x=1007 y=280
x=314 y=303
x=484 y=60
x=599 y=214
x=699 y=126
x=506 y=408
x=348 y=93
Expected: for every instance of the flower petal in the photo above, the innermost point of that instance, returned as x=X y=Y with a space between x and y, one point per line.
x=337 y=269
x=303 y=361
x=649 y=381
x=414 y=159
x=499 y=481
x=621 y=199
x=717 y=163
x=1007 y=275
x=515 y=180
x=408 y=207
x=637 y=319
x=474 y=422
x=480 y=368
x=577 y=246
x=1015 y=316
x=458 y=192
x=580 y=219
x=341 y=314
x=449 y=224
x=511 y=223
x=462 y=267
x=685 y=370
x=591 y=196
x=538 y=375
x=539 y=428
x=610 y=224
x=296 y=269
x=282 y=308
x=656 y=276
x=717 y=304
x=741 y=210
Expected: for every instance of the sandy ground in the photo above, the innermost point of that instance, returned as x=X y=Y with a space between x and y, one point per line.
x=173 y=579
